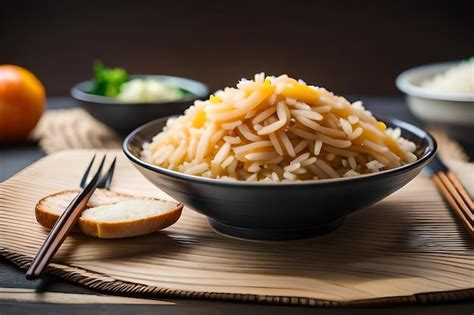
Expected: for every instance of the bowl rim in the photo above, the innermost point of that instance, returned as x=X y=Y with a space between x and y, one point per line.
x=79 y=94
x=426 y=157
x=403 y=83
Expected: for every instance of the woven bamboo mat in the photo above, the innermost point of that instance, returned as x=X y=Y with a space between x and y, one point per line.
x=408 y=248
x=65 y=129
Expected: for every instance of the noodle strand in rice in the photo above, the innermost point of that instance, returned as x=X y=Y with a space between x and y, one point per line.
x=277 y=129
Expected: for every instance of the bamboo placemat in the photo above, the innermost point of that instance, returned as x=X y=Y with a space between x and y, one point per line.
x=406 y=249
x=65 y=129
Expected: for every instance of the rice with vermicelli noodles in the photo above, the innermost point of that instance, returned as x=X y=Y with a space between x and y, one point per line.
x=277 y=129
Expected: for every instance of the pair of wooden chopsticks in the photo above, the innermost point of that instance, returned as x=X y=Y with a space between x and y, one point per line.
x=454 y=193
x=68 y=219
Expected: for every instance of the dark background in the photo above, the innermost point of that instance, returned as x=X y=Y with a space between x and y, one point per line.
x=355 y=47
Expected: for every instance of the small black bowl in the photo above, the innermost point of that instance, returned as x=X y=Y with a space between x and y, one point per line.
x=124 y=117
x=279 y=211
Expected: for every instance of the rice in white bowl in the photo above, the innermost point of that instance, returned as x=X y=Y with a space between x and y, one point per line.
x=458 y=79
x=277 y=129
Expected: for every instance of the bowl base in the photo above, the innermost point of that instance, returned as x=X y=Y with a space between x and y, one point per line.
x=274 y=234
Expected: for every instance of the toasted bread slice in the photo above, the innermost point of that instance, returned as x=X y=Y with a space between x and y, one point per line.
x=111 y=214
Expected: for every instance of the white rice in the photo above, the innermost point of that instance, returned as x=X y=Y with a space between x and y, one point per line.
x=232 y=140
x=458 y=79
x=292 y=167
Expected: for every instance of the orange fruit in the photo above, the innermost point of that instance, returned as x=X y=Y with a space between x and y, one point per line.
x=22 y=102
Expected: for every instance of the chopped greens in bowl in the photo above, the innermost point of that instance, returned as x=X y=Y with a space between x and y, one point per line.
x=124 y=102
x=108 y=81
x=116 y=83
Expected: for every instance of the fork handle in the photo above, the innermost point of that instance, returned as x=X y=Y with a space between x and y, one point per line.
x=59 y=232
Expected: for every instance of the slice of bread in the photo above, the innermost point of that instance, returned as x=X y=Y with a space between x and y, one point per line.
x=111 y=214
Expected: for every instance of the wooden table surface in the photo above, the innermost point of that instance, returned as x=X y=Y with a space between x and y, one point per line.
x=55 y=296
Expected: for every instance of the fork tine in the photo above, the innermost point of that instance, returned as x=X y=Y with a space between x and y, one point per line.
x=99 y=170
x=107 y=179
x=98 y=173
x=86 y=173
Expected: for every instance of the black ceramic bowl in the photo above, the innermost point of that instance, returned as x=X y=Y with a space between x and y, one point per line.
x=124 y=117
x=279 y=211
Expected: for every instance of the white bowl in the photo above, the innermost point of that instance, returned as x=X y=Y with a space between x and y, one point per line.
x=452 y=112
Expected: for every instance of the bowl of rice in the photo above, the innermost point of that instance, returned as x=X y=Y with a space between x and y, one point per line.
x=274 y=158
x=442 y=96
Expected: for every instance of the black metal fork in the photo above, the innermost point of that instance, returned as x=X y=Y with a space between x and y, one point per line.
x=69 y=217
x=105 y=181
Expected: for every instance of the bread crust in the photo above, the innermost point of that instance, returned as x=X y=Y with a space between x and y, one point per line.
x=130 y=228
x=47 y=217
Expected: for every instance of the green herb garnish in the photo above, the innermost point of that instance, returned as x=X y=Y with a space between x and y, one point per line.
x=186 y=93
x=107 y=81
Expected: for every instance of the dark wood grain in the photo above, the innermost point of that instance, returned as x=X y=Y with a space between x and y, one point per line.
x=196 y=308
